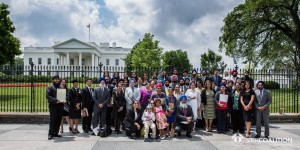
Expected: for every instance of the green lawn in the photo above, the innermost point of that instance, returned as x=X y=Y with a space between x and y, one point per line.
x=18 y=99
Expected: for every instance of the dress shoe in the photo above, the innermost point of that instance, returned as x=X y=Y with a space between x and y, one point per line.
x=219 y=132
x=224 y=132
x=266 y=137
x=234 y=132
x=257 y=136
x=189 y=136
x=57 y=135
x=93 y=134
x=85 y=131
x=133 y=136
x=50 y=137
x=90 y=130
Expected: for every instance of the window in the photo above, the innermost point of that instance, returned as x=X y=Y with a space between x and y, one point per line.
x=71 y=61
x=82 y=61
x=57 y=61
x=117 y=62
x=40 y=61
x=30 y=60
x=49 y=61
x=107 y=62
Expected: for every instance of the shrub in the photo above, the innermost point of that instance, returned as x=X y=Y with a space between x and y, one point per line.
x=272 y=85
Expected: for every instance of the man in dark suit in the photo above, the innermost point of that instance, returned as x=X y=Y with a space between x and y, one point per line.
x=204 y=77
x=184 y=117
x=262 y=103
x=183 y=88
x=112 y=87
x=55 y=107
x=216 y=78
x=87 y=105
x=100 y=98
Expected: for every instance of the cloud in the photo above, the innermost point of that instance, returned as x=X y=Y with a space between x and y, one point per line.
x=193 y=26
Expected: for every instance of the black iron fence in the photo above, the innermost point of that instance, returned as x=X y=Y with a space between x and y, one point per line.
x=22 y=88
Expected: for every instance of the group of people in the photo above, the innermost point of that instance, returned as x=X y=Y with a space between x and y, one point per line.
x=161 y=106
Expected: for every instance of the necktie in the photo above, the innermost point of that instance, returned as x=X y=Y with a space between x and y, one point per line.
x=184 y=112
x=260 y=95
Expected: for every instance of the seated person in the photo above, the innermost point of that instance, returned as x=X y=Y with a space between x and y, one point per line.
x=133 y=121
x=184 y=117
x=148 y=121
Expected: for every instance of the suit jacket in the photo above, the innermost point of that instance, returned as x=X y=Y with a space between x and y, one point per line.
x=87 y=98
x=132 y=95
x=185 y=88
x=101 y=97
x=204 y=79
x=180 y=114
x=265 y=100
x=74 y=97
x=219 y=80
x=129 y=120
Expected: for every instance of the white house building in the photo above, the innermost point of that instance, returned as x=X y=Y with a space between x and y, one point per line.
x=75 y=55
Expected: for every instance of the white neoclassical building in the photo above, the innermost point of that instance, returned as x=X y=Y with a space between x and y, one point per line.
x=76 y=54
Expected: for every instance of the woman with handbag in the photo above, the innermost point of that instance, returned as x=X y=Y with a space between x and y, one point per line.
x=247 y=99
x=63 y=85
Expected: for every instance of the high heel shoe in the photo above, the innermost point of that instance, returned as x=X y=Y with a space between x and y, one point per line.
x=70 y=128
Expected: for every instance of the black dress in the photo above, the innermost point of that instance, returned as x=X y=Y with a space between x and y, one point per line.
x=74 y=98
x=119 y=101
x=247 y=115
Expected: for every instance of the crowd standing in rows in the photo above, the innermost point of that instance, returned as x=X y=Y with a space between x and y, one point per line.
x=161 y=106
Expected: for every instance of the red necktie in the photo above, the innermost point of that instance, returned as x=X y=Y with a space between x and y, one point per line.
x=184 y=112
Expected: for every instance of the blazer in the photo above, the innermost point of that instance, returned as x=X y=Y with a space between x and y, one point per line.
x=87 y=97
x=180 y=114
x=101 y=97
x=74 y=97
x=132 y=95
x=212 y=78
x=129 y=120
x=265 y=100
x=204 y=79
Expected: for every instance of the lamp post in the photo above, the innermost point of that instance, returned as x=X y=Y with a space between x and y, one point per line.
x=100 y=65
x=32 y=88
x=236 y=67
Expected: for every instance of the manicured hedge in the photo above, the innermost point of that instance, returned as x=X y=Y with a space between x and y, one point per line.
x=272 y=85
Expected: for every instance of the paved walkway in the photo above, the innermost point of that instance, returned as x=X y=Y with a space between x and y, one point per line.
x=33 y=136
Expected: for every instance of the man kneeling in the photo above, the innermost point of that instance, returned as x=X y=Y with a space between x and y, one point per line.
x=148 y=120
x=184 y=117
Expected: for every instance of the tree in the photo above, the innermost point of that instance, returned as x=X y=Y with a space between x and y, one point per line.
x=211 y=61
x=176 y=59
x=9 y=45
x=145 y=53
x=265 y=32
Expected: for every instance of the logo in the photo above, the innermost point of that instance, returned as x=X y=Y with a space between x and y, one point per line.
x=237 y=138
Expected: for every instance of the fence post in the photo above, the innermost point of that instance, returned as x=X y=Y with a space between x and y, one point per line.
x=32 y=87
x=100 y=65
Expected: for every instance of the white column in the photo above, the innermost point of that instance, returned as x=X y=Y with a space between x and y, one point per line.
x=80 y=58
x=93 y=60
x=68 y=59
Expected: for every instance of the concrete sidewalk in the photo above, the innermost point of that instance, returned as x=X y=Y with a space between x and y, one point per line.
x=34 y=136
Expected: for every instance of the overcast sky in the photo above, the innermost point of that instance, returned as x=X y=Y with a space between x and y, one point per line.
x=190 y=25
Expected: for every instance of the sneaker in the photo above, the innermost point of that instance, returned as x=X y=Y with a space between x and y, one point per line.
x=133 y=135
x=156 y=139
x=162 y=137
x=146 y=140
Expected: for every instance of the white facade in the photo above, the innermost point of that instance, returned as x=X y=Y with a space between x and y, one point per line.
x=75 y=53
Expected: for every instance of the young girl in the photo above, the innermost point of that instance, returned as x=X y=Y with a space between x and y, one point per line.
x=161 y=119
x=170 y=112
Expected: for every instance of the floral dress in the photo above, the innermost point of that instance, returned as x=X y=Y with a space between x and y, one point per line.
x=161 y=119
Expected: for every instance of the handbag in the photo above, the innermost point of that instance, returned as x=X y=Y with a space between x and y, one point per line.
x=66 y=107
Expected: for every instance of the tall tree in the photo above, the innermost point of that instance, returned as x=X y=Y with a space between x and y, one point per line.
x=176 y=59
x=264 y=31
x=9 y=45
x=211 y=61
x=145 y=53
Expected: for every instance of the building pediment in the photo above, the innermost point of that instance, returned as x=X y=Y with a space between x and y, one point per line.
x=73 y=44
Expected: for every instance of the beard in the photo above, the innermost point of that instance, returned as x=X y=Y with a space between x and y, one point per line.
x=183 y=105
x=234 y=75
x=102 y=85
x=57 y=85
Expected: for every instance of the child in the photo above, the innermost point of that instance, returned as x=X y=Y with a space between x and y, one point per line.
x=161 y=119
x=148 y=120
x=171 y=104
